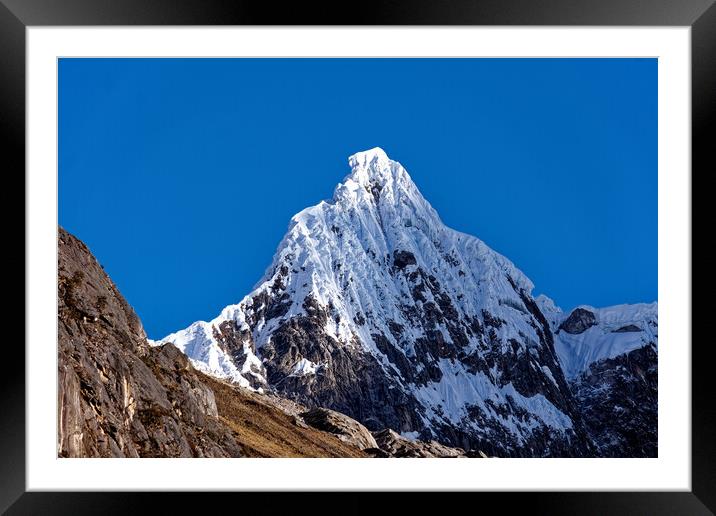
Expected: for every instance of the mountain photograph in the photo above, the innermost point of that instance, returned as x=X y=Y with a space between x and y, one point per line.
x=262 y=321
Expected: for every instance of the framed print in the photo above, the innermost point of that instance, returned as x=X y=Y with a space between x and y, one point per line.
x=266 y=248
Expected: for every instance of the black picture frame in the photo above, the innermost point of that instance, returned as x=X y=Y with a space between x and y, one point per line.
x=16 y=15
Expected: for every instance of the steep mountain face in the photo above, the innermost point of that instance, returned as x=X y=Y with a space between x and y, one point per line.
x=374 y=308
x=618 y=398
x=609 y=356
x=117 y=396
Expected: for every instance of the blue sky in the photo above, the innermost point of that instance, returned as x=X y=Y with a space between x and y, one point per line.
x=181 y=175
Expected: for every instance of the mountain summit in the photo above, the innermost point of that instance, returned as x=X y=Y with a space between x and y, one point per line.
x=374 y=308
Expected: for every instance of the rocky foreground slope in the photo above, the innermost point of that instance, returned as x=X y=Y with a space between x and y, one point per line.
x=119 y=397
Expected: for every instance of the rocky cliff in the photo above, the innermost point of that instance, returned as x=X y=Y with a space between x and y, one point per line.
x=117 y=396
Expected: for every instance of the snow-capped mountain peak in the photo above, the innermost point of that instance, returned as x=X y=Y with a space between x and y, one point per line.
x=370 y=165
x=373 y=307
x=382 y=187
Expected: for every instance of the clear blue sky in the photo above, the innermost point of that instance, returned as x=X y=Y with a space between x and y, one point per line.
x=181 y=175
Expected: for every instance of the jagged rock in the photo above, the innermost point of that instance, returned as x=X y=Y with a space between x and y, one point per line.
x=618 y=398
x=578 y=321
x=346 y=429
x=395 y=445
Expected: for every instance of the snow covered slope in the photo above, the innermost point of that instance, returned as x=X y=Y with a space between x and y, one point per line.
x=373 y=307
x=209 y=351
x=587 y=334
x=609 y=357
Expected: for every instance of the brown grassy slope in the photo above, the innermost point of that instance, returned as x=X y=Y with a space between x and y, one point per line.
x=265 y=431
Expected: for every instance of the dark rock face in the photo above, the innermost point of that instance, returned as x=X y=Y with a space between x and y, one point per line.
x=350 y=381
x=578 y=321
x=233 y=341
x=117 y=396
x=629 y=328
x=618 y=400
x=402 y=259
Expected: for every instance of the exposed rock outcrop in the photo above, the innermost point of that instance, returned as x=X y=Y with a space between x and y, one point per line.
x=346 y=429
x=395 y=445
x=578 y=321
x=117 y=396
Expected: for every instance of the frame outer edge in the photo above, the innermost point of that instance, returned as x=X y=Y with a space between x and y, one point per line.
x=371 y=12
x=703 y=114
x=12 y=108
x=12 y=377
